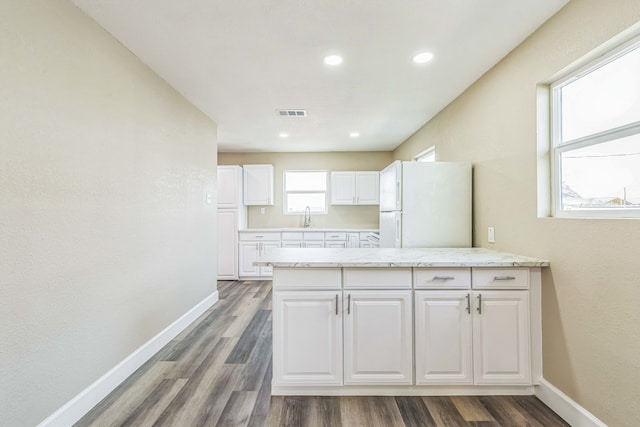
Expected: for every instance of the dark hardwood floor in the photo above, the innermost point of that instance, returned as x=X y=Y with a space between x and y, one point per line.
x=218 y=373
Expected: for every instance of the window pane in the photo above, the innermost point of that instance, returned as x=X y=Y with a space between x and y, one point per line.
x=604 y=99
x=427 y=156
x=605 y=175
x=305 y=181
x=297 y=202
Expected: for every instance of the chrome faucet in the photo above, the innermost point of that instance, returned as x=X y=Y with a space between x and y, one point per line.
x=307 y=217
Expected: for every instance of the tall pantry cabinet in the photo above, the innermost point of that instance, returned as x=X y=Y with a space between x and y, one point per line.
x=232 y=216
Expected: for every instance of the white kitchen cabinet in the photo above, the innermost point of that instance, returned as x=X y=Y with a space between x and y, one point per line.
x=501 y=341
x=443 y=328
x=300 y=239
x=355 y=188
x=227 y=244
x=232 y=216
x=251 y=246
x=229 y=187
x=258 y=184
x=249 y=252
x=307 y=348
x=472 y=337
x=378 y=342
x=342 y=240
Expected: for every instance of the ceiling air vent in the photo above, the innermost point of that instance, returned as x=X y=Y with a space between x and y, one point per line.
x=292 y=113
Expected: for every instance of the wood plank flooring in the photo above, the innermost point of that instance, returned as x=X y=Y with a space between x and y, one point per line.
x=217 y=372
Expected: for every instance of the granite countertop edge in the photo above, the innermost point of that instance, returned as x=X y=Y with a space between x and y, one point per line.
x=398 y=258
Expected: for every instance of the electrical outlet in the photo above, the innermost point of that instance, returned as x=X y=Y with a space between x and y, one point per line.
x=491 y=235
x=262 y=211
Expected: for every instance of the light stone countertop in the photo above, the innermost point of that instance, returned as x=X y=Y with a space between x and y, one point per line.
x=325 y=229
x=389 y=257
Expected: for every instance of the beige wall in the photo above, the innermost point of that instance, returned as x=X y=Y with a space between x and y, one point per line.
x=591 y=333
x=105 y=238
x=338 y=216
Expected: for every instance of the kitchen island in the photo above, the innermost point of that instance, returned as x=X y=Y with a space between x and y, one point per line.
x=405 y=321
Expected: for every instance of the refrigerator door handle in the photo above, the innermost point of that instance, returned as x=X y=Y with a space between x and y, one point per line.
x=398 y=230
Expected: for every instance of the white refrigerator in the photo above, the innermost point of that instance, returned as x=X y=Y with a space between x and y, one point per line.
x=425 y=205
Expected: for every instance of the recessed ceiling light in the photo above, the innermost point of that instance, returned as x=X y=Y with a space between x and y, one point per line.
x=284 y=135
x=354 y=134
x=423 y=57
x=333 y=59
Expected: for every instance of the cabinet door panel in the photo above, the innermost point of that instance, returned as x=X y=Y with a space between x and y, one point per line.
x=258 y=184
x=367 y=188
x=248 y=254
x=335 y=244
x=227 y=245
x=443 y=338
x=267 y=270
x=307 y=338
x=501 y=339
x=377 y=337
x=229 y=187
x=343 y=188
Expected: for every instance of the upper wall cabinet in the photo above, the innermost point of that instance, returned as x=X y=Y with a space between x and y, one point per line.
x=229 y=187
x=258 y=184
x=355 y=188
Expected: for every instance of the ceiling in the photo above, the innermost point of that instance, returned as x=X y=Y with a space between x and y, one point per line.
x=239 y=61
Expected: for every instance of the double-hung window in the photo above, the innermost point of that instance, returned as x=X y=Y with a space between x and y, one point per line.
x=596 y=137
x=305 y=188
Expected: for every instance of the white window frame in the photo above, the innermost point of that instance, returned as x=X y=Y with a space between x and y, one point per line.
x=285 y=192
x=431 y=151
x=557 y=148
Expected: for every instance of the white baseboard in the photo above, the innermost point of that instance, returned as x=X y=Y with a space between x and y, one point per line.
x=566 y=407
x=77 y=407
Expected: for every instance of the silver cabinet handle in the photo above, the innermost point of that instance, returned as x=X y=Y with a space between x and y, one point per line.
x=468 y=303
x=479 y=304
x=259 y=237
x=504 y=278
x=337 y=305
x=257 y=248
x=349 y=304
x=443 y=277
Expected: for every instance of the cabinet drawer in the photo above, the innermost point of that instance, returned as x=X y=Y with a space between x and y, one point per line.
x=311 y=235
x=377 y=278
x=291 y=235
x=442 y=278
x=307 y=278
x=259 y=236
x=500 y=278
x=335 y=236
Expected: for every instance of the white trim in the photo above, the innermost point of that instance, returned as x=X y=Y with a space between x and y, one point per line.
x=470 y=390
x=82 y=403
x=425 y=153
x=564 y=406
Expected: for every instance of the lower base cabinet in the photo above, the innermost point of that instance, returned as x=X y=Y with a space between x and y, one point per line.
x=348 y=333
x=501 y=342
x=309 y=347
x=248 y=253
x=378 y=343
x=307 y=339
x=479 y=337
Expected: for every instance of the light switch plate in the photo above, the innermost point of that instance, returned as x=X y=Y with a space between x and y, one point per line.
x=491 y=235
